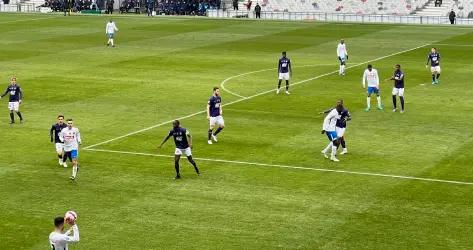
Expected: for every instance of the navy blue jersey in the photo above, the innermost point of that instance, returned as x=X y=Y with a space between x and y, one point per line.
x=56 y=129
x=214 y=106
x=180 y=137
x=398 y=79
x=15 y=92
x=284 y=64
x=434 y=59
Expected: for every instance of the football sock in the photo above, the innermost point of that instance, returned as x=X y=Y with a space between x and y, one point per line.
x=402 y=102
x=343 y=69
x=59 y=156
x=368 y=102
x=394 y=101
x=328 y=147
x=19 y=115
x=287 y=85
x=111 y=40
x=340 y=70
x=193 y=164
x=12 y=117
x=218 y=131
x=438 y=76
x=334 y=150
x=342 y=141
x=210 y=134
x=379 y=101
x=74 y=170
x=176 y=166
x=433 y=77
x=279 y=84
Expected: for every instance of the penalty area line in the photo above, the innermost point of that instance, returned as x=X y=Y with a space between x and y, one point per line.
x=252 y=96
x=293 y=167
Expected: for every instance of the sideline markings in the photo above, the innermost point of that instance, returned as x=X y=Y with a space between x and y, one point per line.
x=252 y=96
x=294 y=167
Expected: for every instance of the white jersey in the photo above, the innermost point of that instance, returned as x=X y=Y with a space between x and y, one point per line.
x=59 y=241
x=331 y=120
x=341 y=50
x=71 y=138
x=372 y=78
x=110 y=28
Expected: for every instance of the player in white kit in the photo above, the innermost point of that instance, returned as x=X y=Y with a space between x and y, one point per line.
x=371 y=76
x=110 y=29
x=71 y=137
x=60 y=240
x=342 y=54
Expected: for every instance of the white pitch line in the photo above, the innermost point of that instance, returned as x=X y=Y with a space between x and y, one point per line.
x=251 y=97
x=456 y=45
x=293 y=167
x=31 y=19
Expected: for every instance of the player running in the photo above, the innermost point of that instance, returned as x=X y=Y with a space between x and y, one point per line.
x=340 y=127
x=110 y=29
x=70 y=135
x=371 y=75
x=183 y=141
x=328 y=128
x=284 y=71
x=16 y=95
x=60 y=239
x=434 y=60
x=398 y=89
x=56 y=130
x=214 y=115
x=342 y=55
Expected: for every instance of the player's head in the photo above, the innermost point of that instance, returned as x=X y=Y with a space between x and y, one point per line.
x=397 y=67
x=13 y=79
x=70 y=123
x=342 y=41
x=110 y=21
x=284 y=53
x=433 y=50
x=339 y=107
x=216 y=91
x=339 y=102
x=176 y=124
x=60 y=119
x=370 y=67
x=59 y=223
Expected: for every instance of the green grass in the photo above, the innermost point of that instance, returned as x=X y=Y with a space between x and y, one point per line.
x=164 y=68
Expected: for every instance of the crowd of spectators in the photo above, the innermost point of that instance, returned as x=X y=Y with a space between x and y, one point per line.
x=167 y=7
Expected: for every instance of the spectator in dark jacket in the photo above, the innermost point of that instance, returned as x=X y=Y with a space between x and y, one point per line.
x=452 y=16
x=258 y=10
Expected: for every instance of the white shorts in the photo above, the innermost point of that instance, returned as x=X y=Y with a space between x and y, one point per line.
x=59 y=147
x=340 y=132
x=186 y=151
x=435 y=69
x=217 y=120
x=14 y=106
x=399 y=92
x=284 y=76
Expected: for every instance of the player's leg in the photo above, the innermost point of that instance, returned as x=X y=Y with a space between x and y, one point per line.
x=401 y=98
x=378 y=98
x=74 y=155
x=279 y=84
x=189 y=158
x=287 y=86
x=16 y=107
x=343 y=67
x=326 y=149
x=368 y=99
x=65 y=157
x=176 y=164
x=394 y=93
x=334 y=148
x=437 y=76
x=221 y=125
x=432 y=69
x=212 y=121
x=59 y=151
x=341 y=139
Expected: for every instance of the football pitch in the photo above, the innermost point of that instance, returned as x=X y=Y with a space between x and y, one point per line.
x=406 y=183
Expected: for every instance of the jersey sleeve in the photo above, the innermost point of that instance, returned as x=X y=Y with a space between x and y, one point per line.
x=364 y=78
x=61 y=136
x=20 y=93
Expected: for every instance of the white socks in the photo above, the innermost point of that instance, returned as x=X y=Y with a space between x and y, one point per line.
x=328 y=147
x=379 y=101
x=368 y=102
x=341 y=70
x=334 y=150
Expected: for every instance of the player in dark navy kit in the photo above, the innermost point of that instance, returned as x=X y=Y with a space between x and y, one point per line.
x=340 y=126
x=398 y=89
x=434 y=60
x=284 y=72
x=16 y=96
x=183 y=141
x=56 y=130
x=214 y=115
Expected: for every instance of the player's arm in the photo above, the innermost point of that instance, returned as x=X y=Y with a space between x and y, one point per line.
x=79 y=140
x=290 y=67
x=279 y=66
x=221 y=110
x=189 y=138
x=348 y=117
x=428 y=60
x=364 y=79
x=165 y=139
x=338 y=52
x=326 y=111
x=208 y=110
x=61 y=136
x=51 y=133
x=75 y=235
x=115 y=27
x=4 y=94
x=20 y=94
x=377 y=79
